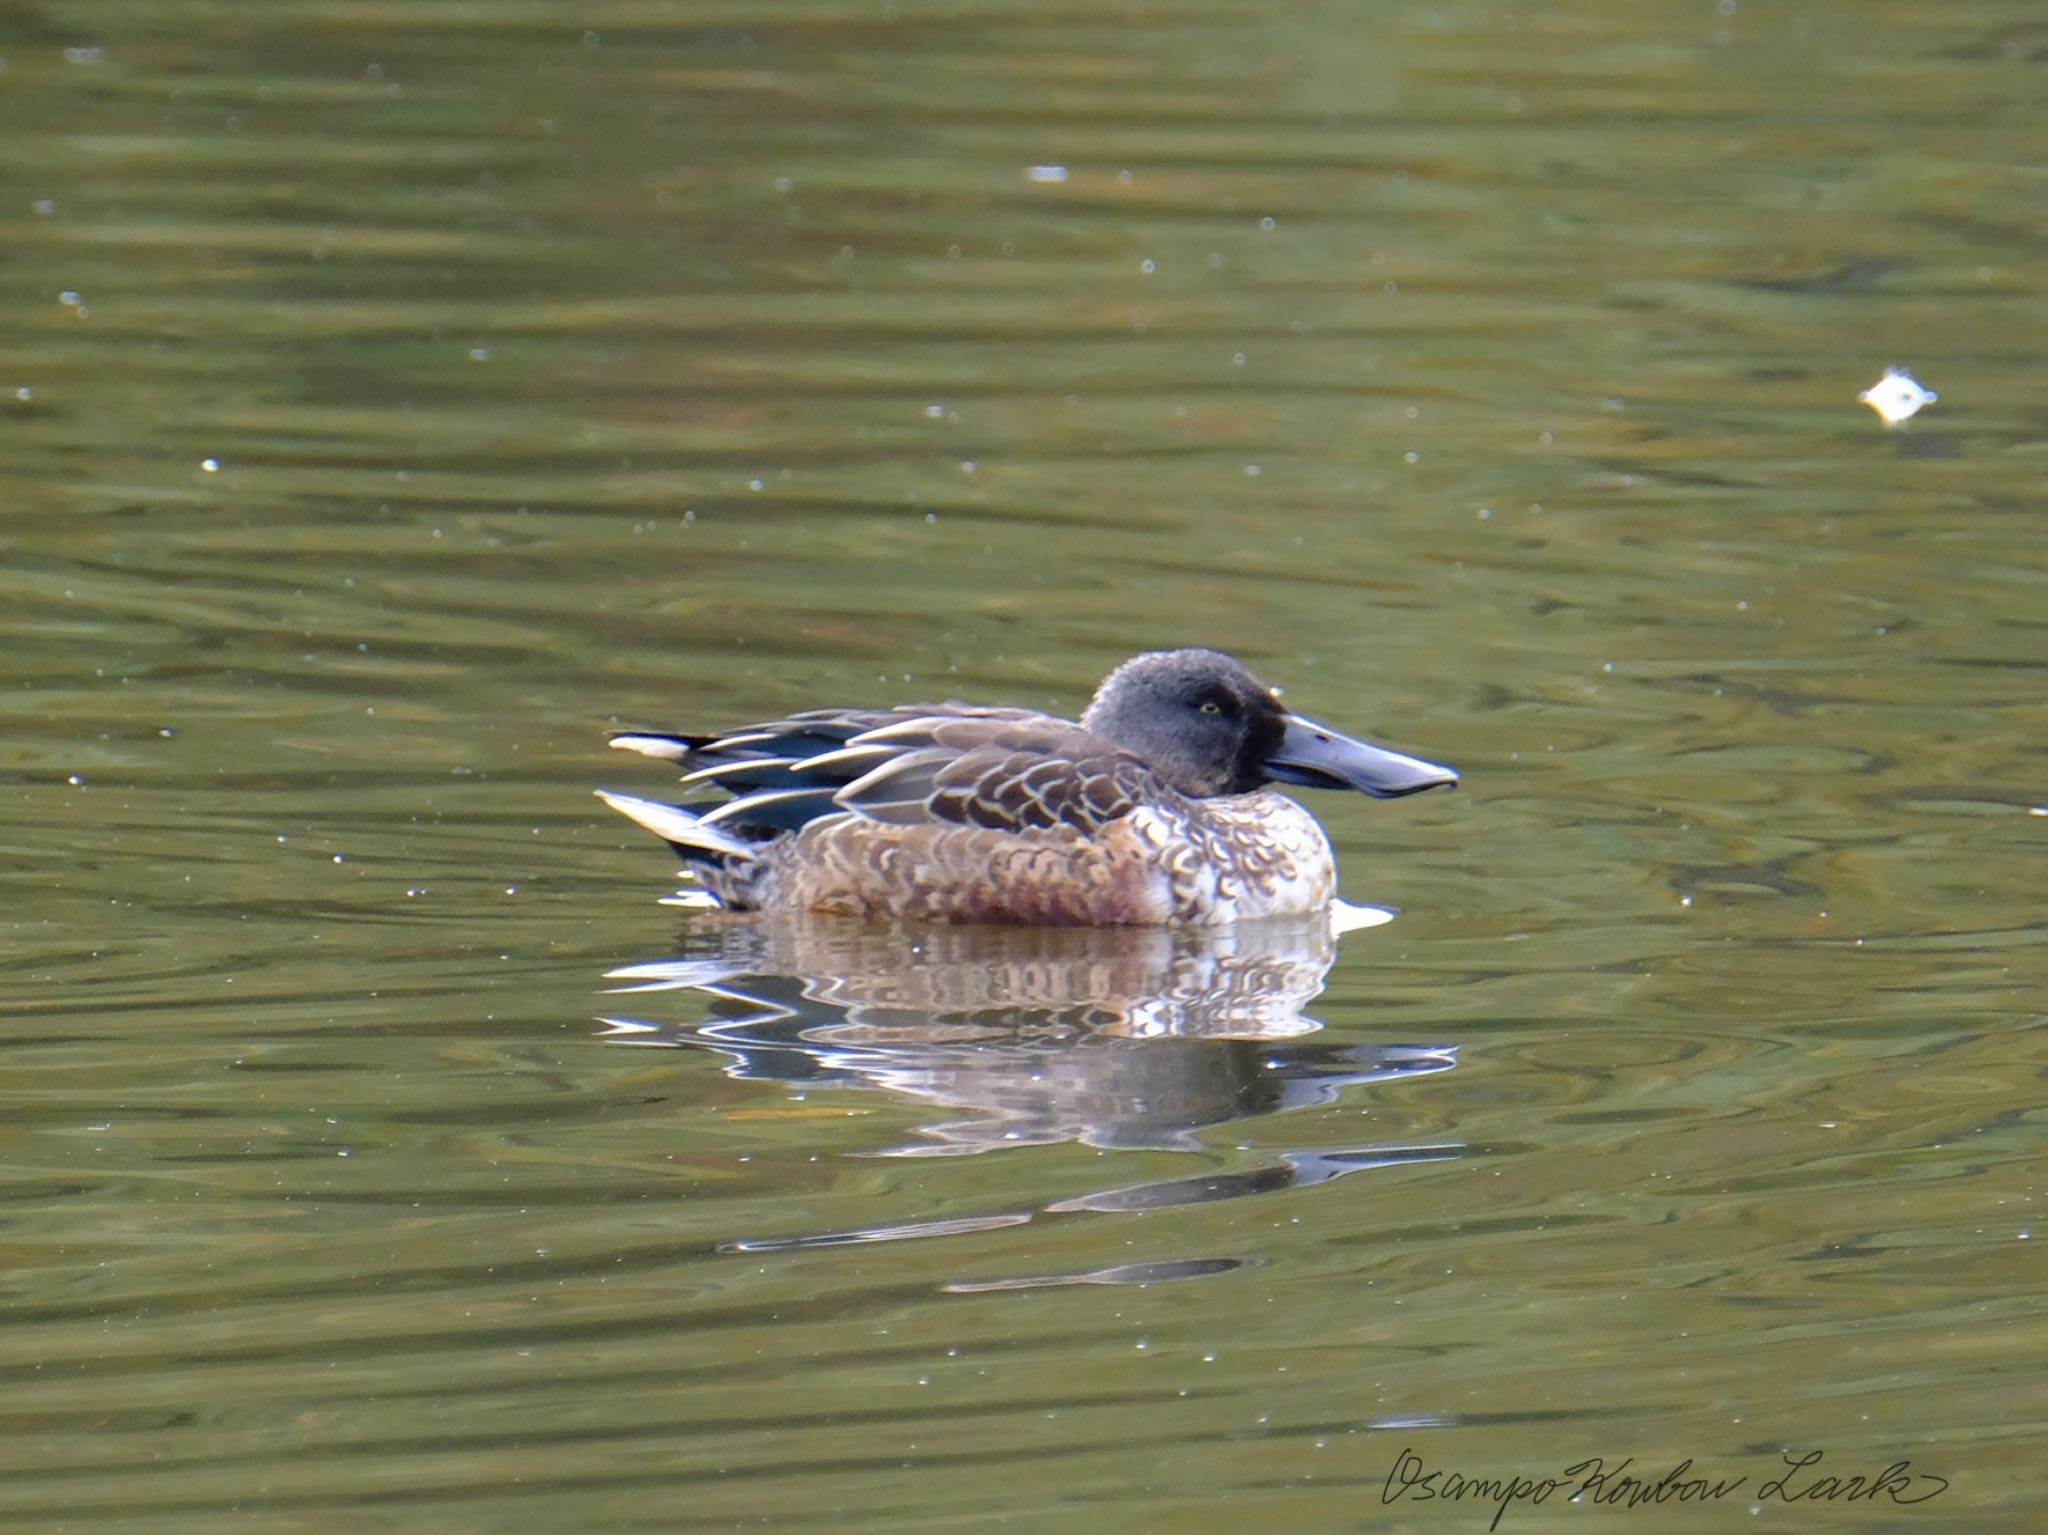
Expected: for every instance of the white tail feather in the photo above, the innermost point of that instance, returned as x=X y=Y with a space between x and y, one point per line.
x=672 y=823
x=664 y=747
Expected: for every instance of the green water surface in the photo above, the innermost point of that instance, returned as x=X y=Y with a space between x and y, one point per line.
x=395 y=397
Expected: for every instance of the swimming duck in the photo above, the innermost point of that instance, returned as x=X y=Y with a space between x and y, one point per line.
x=1153 y=810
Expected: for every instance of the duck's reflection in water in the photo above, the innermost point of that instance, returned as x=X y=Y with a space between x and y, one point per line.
x=1116 y=1038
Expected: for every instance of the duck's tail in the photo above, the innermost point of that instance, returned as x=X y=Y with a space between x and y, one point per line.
x=692 y=836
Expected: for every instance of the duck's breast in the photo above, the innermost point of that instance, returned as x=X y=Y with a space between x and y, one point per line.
x=1246 y=856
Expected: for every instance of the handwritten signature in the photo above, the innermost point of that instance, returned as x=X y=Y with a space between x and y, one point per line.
x=1594 y=1481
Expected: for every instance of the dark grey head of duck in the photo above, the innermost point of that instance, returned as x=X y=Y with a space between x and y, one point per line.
x=1207 y=726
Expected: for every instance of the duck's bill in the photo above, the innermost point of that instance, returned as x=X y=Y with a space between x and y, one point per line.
x=1317 y=757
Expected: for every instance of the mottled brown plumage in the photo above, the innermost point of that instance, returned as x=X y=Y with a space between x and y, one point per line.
x=1151 y=810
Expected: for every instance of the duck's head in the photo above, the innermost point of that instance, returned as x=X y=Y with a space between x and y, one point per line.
x=1207 y=726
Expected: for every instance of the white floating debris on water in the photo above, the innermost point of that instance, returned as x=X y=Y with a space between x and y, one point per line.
x=1046 y=175
x=1896 y=397
x=209 y=466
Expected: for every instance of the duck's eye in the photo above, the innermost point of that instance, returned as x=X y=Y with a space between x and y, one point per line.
x=1210 y=706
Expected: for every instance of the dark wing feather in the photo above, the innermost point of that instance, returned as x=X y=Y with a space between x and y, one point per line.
x=770 y=812
x=783 y=744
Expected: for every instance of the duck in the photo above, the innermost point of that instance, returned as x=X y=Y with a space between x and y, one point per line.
x=1157 y=808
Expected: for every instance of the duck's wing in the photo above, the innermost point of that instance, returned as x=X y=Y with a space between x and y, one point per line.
x=1016 y=773
x=958 y=764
